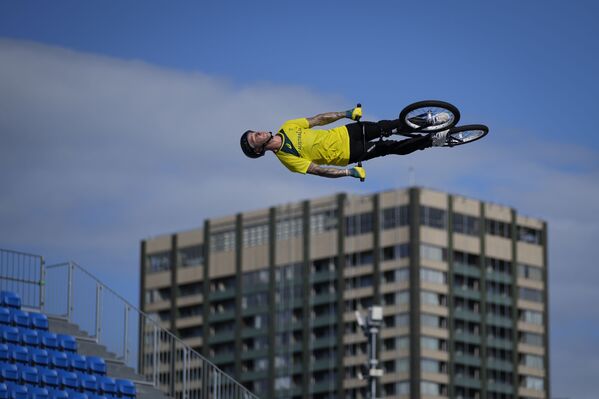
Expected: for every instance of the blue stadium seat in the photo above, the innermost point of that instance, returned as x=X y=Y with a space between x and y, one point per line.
x=39 y=357
x=28 y=375
x=48 y=340
x=3 y=391
x=38 y=393
x=88 y=383
x=126 y=388
x=4 y=354
x=76 y=395
x=59 y=360
x=19 y=318
x=9 y=335
x=16 y=391
x=9 y=372
x=29 y=337
x=4 y=315
x=96 y=365
x=67 y=342
x=18 y=354
x=38 y=321
x=58 y=394
x=68 y=380
x=10 y=299
x=77 y=362
x=48 y=377
x=107 y=386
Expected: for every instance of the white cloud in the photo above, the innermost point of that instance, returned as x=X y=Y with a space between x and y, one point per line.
x=97 y=153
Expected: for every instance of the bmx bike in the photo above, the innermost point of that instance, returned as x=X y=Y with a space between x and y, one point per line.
x=432 y=116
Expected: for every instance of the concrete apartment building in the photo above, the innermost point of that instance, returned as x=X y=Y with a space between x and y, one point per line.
x=269 y=296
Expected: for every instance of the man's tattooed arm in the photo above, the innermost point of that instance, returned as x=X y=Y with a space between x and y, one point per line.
x=325 y=119
x=324 y=171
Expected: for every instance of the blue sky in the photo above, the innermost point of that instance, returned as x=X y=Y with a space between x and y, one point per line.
x=120 y=120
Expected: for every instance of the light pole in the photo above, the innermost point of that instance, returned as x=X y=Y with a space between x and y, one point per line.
x=371 y=327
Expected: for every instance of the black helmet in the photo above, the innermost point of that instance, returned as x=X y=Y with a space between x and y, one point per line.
x=247 y=148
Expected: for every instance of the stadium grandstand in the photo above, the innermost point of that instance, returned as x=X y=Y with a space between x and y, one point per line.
x=66 y=335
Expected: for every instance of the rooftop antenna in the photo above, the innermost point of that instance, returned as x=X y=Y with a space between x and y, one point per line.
x=411 y=176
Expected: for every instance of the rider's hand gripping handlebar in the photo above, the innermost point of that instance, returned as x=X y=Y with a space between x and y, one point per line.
x=363 y=136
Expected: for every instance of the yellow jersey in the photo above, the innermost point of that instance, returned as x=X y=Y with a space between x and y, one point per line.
x=302 y=146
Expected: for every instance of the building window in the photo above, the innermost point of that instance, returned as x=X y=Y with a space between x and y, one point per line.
x=529 y=294
x=252 y=301
x=432 y=366
x=255 y=278
x=433 y=298
x=191 y=332
x=497 y=228
x=288 y=228
x=499 y=266
x=532 y=361
x=465 y=258
x=190 y=311
x=395 y=217
x=359 y=258
x=323 y=221
x=223 y=241
x=430 y=320
x=191 y=289
x=158 y=294
x=435 y=344
x=433 y=252
x=530 y=272
x=402 y=388
x=531 y=339
x=396 y=276
x=529 y=235
x=159 y=262
x=534 y=383
x=395 y=252
x=532 y=317
x=358 y=224
x=465 y=224
x=432 y=276
x=433 y=217
x=255 y=235
x=191 y=256
x=431 y=388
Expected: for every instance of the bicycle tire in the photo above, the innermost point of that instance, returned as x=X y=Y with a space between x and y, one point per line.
x=412 y=116
x=459 y=135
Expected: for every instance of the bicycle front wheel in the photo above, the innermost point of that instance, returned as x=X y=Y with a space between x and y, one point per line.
x=465 y=134
x=429 y=116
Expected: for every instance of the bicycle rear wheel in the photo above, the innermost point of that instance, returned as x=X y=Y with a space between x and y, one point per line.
x=465 y=134
x=430 y=116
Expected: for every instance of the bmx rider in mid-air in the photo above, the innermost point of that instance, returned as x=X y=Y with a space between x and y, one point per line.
x=305 y=150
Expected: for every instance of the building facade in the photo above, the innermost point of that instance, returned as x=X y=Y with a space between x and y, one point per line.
x=269 y=296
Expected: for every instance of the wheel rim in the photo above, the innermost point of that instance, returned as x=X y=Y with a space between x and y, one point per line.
x=465 y=136
x=424 y=119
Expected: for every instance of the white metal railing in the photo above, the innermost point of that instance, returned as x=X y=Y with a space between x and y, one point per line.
x=163 y=360
x=23 y=273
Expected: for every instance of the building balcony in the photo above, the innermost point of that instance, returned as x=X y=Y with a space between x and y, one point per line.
x=499 y=277
x=500 y=321
x=498 y=364
x=222 y=316
x=466 y=292
x=500 y=343
x=325 y=275
x=222 y=337
x=465 y=314
x=224 y=294
x=464 y=380
x=252 y=354
x=500 y=387
x=329 y=297
x=326 y=320
x=499 y=299
x=468 y=360
x=464 y=336
x=466 y=270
